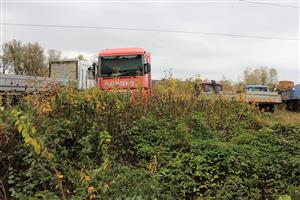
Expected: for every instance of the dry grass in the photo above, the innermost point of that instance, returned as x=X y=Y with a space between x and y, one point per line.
x=287 y=117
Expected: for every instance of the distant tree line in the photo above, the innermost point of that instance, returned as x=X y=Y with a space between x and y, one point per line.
x=262 y=75
x=253 y=76
x=27 y=58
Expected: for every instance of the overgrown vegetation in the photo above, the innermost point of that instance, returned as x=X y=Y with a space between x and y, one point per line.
x=70 y=144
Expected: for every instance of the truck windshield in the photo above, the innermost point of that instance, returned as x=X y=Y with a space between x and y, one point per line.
x=210 y=88
x=257 y=89
x=121 y=65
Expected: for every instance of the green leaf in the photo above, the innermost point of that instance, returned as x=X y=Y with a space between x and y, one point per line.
x=285 y=197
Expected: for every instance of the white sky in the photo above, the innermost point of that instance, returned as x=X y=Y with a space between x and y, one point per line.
x=187 y=54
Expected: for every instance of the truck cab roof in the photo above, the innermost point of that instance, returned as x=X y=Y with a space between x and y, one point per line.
x=122 y=52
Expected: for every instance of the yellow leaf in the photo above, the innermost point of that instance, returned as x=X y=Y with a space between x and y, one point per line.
x=93 y=196
x=91 y=189
x=86 y=178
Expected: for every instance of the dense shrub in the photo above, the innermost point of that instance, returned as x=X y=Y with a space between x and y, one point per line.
x=99 y=145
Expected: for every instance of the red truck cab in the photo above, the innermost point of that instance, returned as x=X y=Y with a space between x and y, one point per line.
x=125 y=69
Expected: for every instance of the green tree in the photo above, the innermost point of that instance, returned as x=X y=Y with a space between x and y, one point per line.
x=262 y=75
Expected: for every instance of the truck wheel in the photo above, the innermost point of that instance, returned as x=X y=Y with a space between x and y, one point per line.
x=297 y=105
x=15 y=100
x=289 y=105
x=271 y=108
x=3 y=100
x=266 y=107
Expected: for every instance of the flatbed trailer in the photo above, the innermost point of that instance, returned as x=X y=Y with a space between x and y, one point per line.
x=61 y=72
x=263 y=98
x=20 y=84
x=256 y=94
x=13 y=87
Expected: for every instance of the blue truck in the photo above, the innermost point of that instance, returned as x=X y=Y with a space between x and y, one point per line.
x=291 y=97
x=262 y=96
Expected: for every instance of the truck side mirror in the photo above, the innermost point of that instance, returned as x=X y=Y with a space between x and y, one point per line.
x=94 y=66
x=148 y=66
x=91 y=71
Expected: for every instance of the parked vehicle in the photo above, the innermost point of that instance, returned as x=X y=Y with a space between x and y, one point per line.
x=258 y=94
x=290 y=94
x=261 y=95
x=81 y=72
x=20 y=84
x=60 y=72
x=208 y=87
x=125 y=69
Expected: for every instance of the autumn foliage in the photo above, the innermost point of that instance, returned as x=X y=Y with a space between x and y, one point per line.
x=90 y=144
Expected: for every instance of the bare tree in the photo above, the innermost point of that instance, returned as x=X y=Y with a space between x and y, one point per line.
x=26 y=59
x=228 y=85
x=81 y=57
x=53 y=54
x=13 y=52
x=272 y=76
x=4 y=62
x=34 y=60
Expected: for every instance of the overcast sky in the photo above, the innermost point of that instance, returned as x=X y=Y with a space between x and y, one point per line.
x=212 y=57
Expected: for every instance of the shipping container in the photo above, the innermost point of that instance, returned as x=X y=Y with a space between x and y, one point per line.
x=81 y=72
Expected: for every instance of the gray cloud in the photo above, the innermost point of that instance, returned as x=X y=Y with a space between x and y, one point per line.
x=186 y=54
